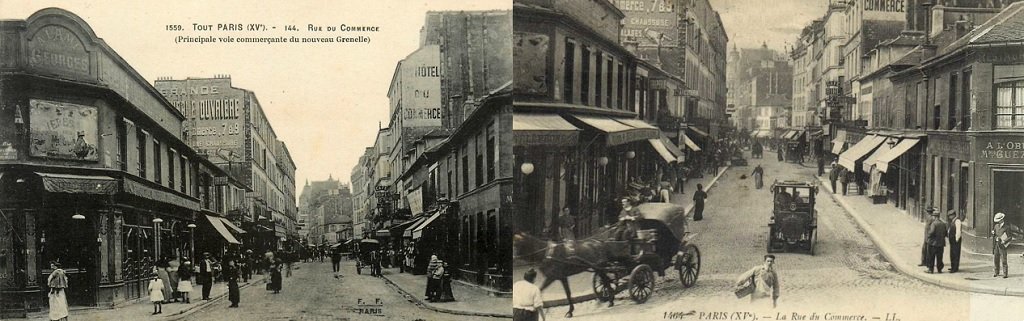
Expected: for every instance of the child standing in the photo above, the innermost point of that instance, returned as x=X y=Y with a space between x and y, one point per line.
x=156 y=294
x=185 y=281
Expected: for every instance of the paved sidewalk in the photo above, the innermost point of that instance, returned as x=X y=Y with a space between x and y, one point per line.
x=469 y=299
x=581 y=284
x=899 y=236
x=143 y=309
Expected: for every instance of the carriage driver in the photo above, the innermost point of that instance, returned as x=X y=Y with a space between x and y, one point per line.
x=627 y=226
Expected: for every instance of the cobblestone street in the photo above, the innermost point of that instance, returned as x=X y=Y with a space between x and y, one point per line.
x=847 y=275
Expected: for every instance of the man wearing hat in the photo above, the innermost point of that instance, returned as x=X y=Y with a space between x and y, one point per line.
x=833 y=176
x=1000 y=240
x=936 y=243
x=927 y=229
x=955 y=240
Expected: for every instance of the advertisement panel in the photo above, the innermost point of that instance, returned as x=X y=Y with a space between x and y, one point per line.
x=63 y=130
x=649 y=23
x=421 y=88
x=214 y=114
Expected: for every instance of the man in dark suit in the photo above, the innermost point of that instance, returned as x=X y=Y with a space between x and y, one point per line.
x=927 y=228
x=206 y=274
x=936 y=243
x=833 y=176
x=955 y=239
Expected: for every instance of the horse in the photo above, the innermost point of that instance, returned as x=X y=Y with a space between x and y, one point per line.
x=557 y=264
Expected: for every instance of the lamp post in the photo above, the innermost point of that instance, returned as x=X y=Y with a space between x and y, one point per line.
x=156 y=223
x=192 y=240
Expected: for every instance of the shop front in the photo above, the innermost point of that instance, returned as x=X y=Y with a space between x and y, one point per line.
x=997 y=173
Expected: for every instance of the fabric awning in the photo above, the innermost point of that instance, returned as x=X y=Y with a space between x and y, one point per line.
x=849 y=158
x=232 y=226
x=543 y=129
x=881 y=150
x=619 y=131
x=416 y=222
x=676 y=151
x=690 y=144
x=82 y=184
x=796 y=135
x=837 y=143
x=698 y=131
x=662 y=150
x=221 y=229
x=418 y=232
x=762 y=133
x=787 y=134
x=882 y=163
x=383 y=233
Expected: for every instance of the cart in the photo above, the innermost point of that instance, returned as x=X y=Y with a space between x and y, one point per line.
x=794 y=222
x=794 y=151
x=363 y=253
x=660 y=244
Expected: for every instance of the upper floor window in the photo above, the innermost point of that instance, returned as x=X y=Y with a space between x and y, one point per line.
x=1010 y=104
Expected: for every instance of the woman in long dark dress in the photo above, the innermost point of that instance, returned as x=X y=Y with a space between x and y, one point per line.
x=275 y=276
x=231 y=275
x=446 y=284
x=698 y=203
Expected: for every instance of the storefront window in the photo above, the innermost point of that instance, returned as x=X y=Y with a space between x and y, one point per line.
x=1009 y=96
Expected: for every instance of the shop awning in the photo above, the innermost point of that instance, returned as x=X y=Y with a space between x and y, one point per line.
x=418 y=232
x=676 y=151
x=662 y=150
x=762 y=133
x=882 y=163
x=232 y=226
x=79 y=184
x=543 y=130
x=689 y=143
x=881 y=150
x=796 y=135
x=383 y=233
x=411 y=227
x=786 y=134
x=699 y=131
x=837 y=143
x=619 y=131
x=221 y=229
x=849 y=158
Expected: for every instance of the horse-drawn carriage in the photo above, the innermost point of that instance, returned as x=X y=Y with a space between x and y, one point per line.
x=660 y=244
x=794 y=221
x=364 y=255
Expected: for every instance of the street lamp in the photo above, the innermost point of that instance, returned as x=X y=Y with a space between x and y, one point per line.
x=157 y=222
x=527 y=168
x=192 y=239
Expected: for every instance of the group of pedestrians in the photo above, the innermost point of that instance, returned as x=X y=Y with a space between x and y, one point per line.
x=939 y=233
x=439 y=281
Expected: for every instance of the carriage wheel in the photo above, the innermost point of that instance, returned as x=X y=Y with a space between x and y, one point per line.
x=604 y=293
x=814 y=239
x=690 y=269
x=641 y=283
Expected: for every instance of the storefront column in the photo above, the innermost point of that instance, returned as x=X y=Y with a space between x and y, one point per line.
x=118 y=245
x=31 y=250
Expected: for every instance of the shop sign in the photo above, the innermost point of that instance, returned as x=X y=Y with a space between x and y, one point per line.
x=63 y=130
x=1003 y=56
x=1000 y=149
x=56 y=49
x=7 y=151
x=415 y=199
x=138 y=189
x=220 y=180
x=649 y=23
x=619 y=138
x=421 y=88
x=213 y=112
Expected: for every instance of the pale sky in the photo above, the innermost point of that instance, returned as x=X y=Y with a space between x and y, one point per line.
x=776 y=22
x=323 y=100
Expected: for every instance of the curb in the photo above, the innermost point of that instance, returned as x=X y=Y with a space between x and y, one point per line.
x=591 y=295
x=902 y=267
x=419 y=302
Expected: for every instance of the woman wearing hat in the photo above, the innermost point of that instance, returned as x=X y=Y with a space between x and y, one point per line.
x=1000 y=240
x=58 y=282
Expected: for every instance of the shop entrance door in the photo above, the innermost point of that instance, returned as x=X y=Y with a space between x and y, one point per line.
x=1007 y=186
x=72 y=242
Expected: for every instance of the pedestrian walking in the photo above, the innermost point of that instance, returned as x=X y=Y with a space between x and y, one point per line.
x=206 y=275
x=376 y=259
x=779 y=152
x=446 y=294
x=172 y=276
x=927 y=229
x=58 y=284
x=162 y=266
x=760 y=282
x=185 y=281
x=1000 y=241
x=821 y=166
x=844 y=178
x=833 y=176
x=758 y=175
x=698 y=203
x=156 y=294
x=431 y=291
x=936 y=243
x=527 y=303
x=231 y=276
x=336 y=261
x=664 y=191
x=955 y=240
x=275 y=276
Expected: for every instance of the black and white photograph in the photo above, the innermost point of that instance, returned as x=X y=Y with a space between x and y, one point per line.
x=241 y=160
x=768 y=160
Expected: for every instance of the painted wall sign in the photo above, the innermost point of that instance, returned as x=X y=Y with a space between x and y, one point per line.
x=55 y=48
x=1003 y=148
x=63 y=130
x=649 y=23
x=421 y=88
x=531 y=68
x=214 y=113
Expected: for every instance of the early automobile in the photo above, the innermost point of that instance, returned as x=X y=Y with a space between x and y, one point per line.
x=793 y=224
x=363 y=255
x=660 y=244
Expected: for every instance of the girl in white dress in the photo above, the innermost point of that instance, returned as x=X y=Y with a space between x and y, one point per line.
x=58 y=283
x=156 y=294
